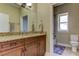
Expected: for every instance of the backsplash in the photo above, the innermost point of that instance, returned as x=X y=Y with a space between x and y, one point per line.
x=11 y=33
x=16 y=33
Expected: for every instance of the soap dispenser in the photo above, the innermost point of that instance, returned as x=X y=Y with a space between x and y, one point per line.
x=33 y=29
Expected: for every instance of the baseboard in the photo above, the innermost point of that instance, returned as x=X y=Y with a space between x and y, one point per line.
x=66 y=45
x=47 y=54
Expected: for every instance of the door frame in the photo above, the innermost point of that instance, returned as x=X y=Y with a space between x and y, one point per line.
x=51 y=31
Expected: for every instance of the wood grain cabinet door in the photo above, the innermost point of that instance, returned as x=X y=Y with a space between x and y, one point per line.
x=13 y=52
x=42 y=46
x=31 y=49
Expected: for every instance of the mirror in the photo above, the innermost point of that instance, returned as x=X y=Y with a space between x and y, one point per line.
x=17 y=19
x=7 y=26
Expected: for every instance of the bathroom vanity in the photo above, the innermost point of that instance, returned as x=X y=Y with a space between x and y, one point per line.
x=30 y=44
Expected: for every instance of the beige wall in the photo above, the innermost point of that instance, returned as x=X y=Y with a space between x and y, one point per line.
x=73 y=25
x=44 y=13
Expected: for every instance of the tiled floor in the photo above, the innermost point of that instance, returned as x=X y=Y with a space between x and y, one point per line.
x=68 y=52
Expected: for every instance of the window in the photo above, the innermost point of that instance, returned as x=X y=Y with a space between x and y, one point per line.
x=63 y=22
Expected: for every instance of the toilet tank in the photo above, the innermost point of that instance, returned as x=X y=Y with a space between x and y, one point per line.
x=74 y=37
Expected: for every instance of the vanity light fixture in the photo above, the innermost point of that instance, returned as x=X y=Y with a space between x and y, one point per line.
x=26 y=4
x=29 y=4
x=23 y=5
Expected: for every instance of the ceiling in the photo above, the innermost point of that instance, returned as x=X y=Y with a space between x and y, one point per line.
x=57 y=4
x=19 y=4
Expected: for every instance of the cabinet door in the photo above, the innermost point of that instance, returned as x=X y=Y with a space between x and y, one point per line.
x=42 y=45
x=12 y=52
x=31 y=49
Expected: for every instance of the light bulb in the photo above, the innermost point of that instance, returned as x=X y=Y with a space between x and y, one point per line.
x=29 y=4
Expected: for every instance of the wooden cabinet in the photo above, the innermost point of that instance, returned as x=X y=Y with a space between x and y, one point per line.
x=32 y=46
x=35 y=46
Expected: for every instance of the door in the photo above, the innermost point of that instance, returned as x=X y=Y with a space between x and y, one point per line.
x=25 y=23
x=42 y=45
x=31 y=49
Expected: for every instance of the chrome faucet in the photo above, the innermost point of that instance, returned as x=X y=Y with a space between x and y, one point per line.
x=41 y=26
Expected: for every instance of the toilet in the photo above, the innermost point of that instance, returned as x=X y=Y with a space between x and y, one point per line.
x=74 y=42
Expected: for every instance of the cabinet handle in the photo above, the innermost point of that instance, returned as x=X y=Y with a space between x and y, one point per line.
x=22 y=52
x=25 y=49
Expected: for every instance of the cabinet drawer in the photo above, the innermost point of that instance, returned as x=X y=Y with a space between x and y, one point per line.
x=10 y=44
x=12 y=52
x=19 y=42
x=15 y=43
x=4 y=45
x=30 y=40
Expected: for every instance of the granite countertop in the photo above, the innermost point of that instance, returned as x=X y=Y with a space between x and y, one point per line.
x=14 y=37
